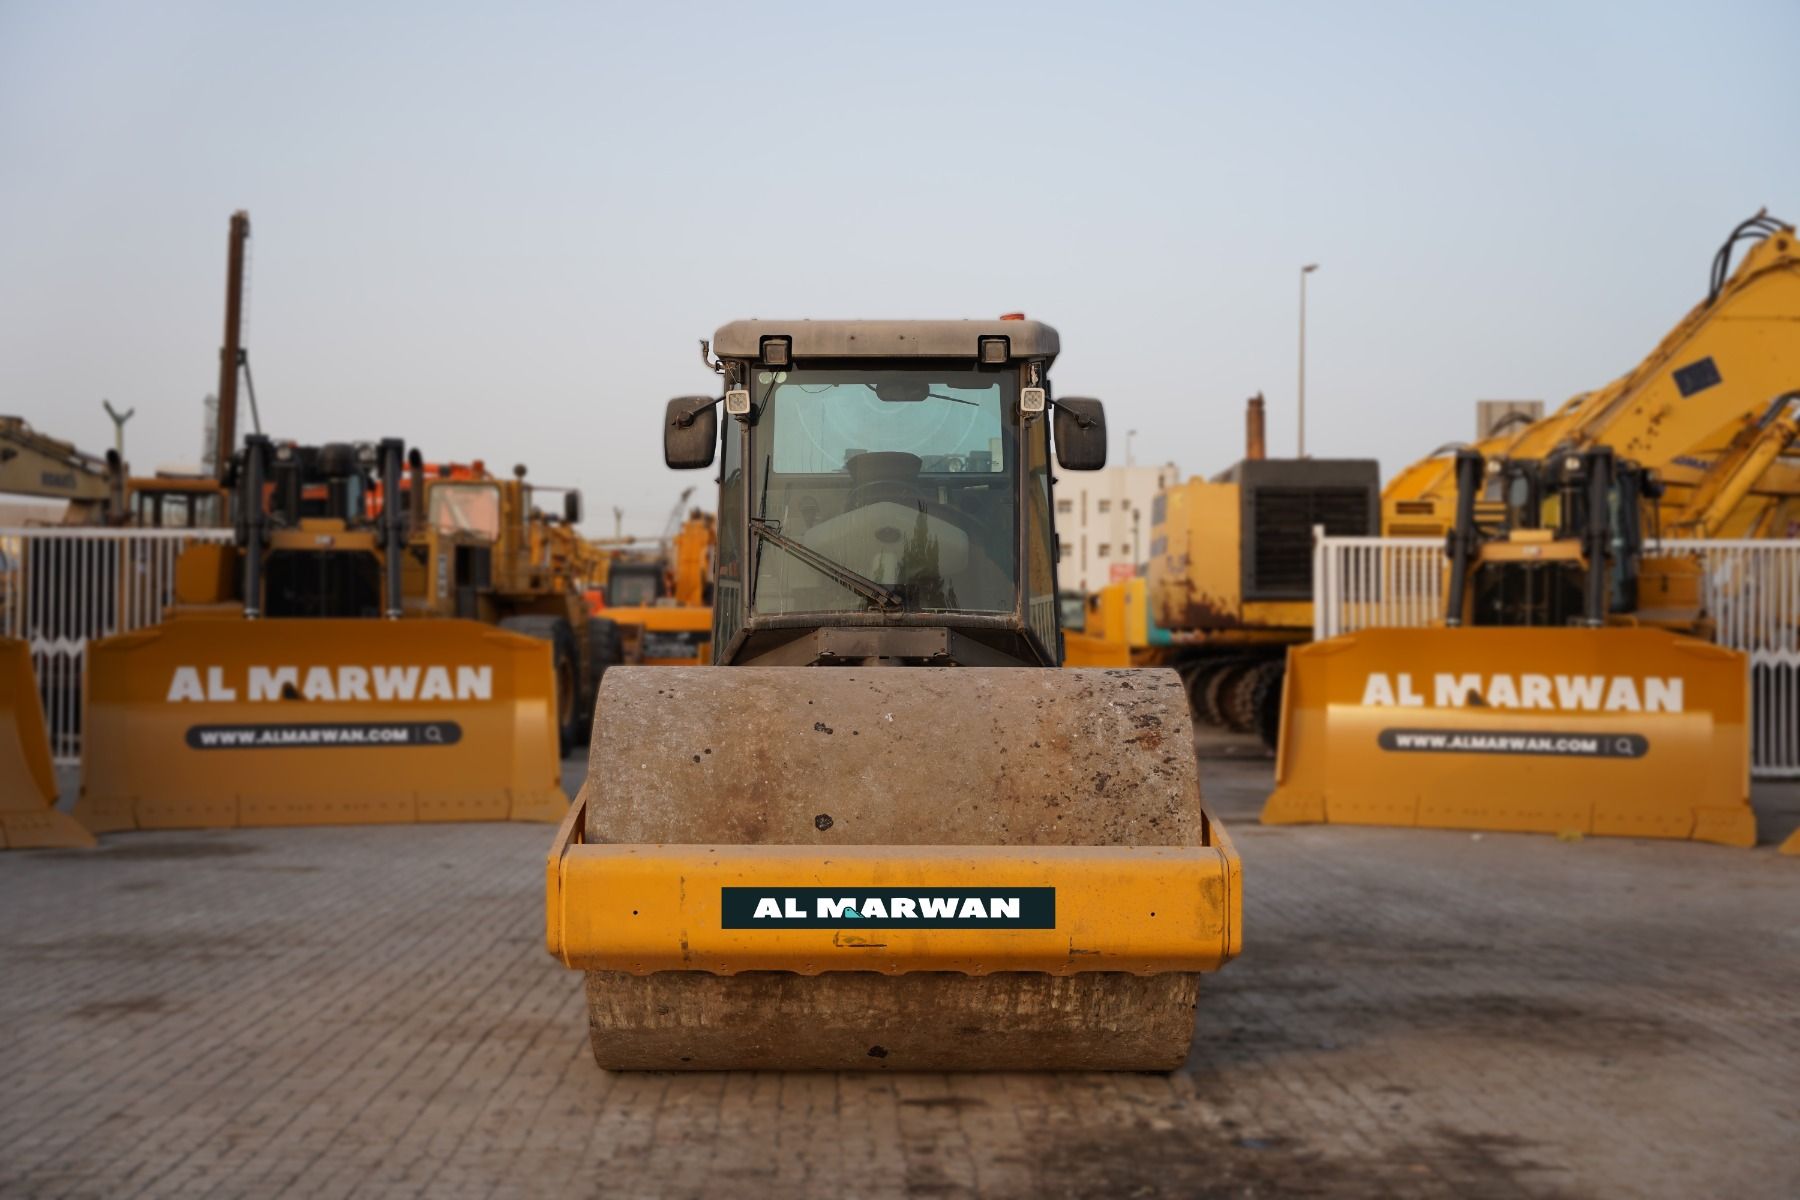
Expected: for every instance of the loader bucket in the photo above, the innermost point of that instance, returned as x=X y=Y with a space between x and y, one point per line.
x=892 y=869
x=201 y=723
x=1792 y=845
x=1627 y=732
x=29 y=817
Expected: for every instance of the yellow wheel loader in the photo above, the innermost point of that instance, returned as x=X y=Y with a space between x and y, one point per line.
x=479 y=548
x=885 y=831
x=1551 y=700
x=659 y=610
x=29 y=817
x=283 y=687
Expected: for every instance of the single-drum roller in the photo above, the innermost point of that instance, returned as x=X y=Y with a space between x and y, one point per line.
x=892 y=835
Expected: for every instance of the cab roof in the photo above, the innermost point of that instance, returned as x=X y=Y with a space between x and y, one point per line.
x=886 y=339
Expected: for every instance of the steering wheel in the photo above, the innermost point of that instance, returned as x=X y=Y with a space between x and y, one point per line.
x=892 y=475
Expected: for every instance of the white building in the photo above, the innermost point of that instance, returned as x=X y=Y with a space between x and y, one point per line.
x=1103 y=519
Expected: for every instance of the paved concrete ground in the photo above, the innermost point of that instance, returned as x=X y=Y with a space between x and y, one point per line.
x=370 y=1011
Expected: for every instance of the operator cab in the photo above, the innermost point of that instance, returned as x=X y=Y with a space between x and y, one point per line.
x=635 y=584
x=1561 y=541
x=886 y=490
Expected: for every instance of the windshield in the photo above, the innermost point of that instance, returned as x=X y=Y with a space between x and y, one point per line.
x=632 y=585
x=904 y=479
x=466 y=510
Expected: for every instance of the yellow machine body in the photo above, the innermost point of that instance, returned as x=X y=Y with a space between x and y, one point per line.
x=1116 y=630
x=662 y=908
x=1082 y=649
x=216 y=722
x=1631 y=732
x=664 y=635
x=29 y=817
x=1196 y=578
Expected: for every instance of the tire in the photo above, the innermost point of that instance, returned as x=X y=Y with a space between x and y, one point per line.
x=1266 y=701
x=1237 y=702
x=565 y=663
x=1219 y=685
x=1197 y=679
x=605 y=649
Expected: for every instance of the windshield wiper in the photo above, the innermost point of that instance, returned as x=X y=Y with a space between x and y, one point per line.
x=855 y=581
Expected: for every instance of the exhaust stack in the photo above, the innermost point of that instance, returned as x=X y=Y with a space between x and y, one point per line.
x=1255 y=445
x=231 y=354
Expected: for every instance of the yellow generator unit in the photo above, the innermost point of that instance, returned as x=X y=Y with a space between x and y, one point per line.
x=1231 y=574
x=886 y=832
x=286 y=689
x=1543 y=704
x=29 y=818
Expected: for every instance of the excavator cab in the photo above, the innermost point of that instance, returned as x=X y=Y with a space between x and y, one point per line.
x=884 y=831
x=1546 y=702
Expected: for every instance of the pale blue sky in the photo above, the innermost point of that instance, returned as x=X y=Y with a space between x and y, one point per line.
x=499 y=230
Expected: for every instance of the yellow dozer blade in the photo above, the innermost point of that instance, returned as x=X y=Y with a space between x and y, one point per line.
x=1792 y=845
x=892 y=868
x=1629 y=732
x=28 y=814
x=201 y=723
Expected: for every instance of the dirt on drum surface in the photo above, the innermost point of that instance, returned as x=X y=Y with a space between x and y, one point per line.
x=1416 y=1013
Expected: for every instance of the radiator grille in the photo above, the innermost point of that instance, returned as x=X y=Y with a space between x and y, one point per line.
x=1282 y=520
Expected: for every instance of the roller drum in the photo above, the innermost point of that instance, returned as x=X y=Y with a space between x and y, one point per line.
x=892 y=756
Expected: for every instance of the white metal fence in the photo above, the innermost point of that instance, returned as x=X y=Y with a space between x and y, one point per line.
x=61 y=588
x=1365 y=582
x=1750 y=588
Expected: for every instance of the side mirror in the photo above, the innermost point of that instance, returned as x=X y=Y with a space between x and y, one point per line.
x=689 y=446
x=572 y=506
x=1080 y=430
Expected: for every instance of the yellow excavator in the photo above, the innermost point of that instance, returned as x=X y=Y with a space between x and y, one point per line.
x=884 y=830
x=1698 y=411
x=332 y=665
x=1551 y=700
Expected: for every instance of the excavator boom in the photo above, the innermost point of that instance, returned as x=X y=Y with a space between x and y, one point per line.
x=1697 y=410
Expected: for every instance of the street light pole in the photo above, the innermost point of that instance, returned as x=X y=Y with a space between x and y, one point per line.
x=118 y=420
x=1129 y=434
x=1308 y=269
